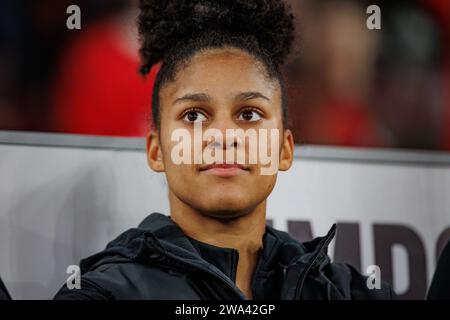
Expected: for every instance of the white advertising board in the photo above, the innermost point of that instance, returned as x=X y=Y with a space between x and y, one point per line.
x=64 y=197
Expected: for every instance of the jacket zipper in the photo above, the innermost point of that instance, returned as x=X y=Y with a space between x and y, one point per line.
x=325 y=242
x=169 y=256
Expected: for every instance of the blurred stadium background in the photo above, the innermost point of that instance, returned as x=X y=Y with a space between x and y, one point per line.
x=348 y=86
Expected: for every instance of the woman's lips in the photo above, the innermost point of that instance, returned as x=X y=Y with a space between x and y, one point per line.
x=224 y=170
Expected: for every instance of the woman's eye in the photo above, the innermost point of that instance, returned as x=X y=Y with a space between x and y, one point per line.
x=194 y=116
x=249 y=115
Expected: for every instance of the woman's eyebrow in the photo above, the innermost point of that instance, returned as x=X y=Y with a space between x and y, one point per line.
x=243 y=96
x=203 y=97
x=196 y=97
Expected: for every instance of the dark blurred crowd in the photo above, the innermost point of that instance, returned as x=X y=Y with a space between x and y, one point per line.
x=348 y=85
x=359 y=87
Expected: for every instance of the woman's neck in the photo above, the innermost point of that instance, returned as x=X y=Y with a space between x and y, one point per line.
x=243 y=233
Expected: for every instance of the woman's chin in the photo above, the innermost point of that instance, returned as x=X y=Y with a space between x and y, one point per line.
x=224 y=213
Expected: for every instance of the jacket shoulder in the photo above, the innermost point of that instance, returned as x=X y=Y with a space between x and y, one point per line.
x=357 y=286
x=122 y=281
x=339 y=280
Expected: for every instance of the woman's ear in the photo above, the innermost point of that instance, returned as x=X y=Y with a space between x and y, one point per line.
x=287 y=151
x=154 y=152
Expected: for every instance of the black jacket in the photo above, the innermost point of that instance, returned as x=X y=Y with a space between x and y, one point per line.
x=440 y=285
x=4 y=295
x=158 y=261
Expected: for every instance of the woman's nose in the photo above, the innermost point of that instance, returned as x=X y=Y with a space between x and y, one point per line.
x=229 y=131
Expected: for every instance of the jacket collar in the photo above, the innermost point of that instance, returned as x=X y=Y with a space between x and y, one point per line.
x=160 y=240
x=278 y=246
x=172 y=239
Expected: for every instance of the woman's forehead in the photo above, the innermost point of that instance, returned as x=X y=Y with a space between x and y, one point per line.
x=222 y=70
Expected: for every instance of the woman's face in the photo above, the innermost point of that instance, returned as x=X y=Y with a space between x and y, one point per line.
x=220 y=89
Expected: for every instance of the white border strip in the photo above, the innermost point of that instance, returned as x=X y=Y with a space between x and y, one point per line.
x=375 y=155
x=70 y=140
x=305 y=152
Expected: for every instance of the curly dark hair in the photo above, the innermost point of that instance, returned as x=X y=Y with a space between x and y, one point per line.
x=172 y=31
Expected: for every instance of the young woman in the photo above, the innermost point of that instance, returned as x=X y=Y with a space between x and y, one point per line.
x=219 y=68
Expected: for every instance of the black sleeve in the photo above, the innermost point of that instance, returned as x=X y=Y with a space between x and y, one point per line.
x=89 y=291
x=4 y=295
x=440 y=285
